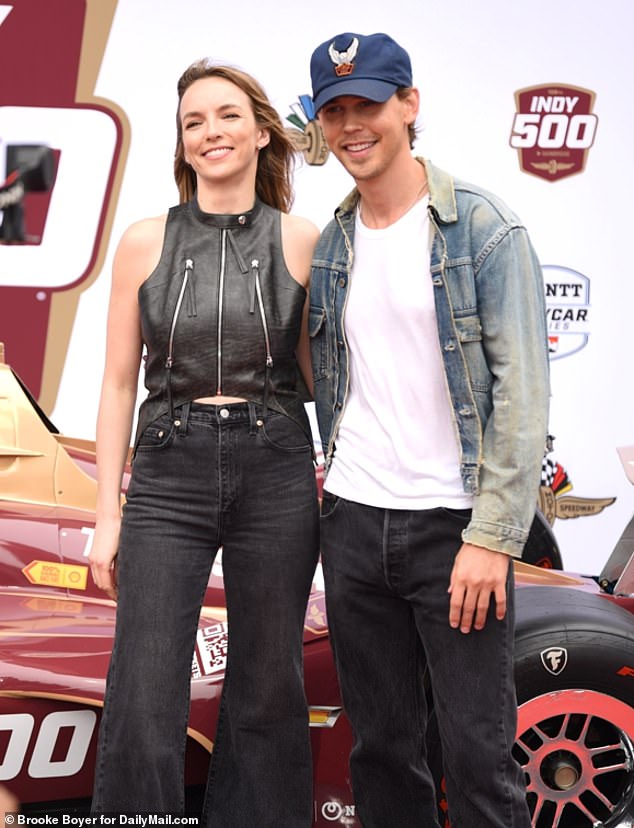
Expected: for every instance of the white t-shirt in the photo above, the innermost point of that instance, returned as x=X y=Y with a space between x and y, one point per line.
x=397 y=445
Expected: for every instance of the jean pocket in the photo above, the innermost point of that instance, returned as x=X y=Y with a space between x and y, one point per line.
x=157 y=435
x=282 y=433
x=329 y=503
x=460 y=516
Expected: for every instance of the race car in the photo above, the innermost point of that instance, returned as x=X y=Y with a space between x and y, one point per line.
x=574 y=657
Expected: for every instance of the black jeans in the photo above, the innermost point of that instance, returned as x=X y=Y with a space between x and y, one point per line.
x=215 y=476
x=387 y=573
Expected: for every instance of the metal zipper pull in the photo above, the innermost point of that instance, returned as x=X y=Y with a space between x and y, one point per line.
x=267 y=341
x=189 y=266
x=191 y=290
x=254 y=275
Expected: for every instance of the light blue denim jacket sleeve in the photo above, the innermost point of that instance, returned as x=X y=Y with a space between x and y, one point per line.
x=490 y=309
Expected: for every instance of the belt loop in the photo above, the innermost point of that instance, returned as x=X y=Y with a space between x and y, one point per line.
x=184 y=416
x=253 y=416
x=168 y=384
x=265 y=396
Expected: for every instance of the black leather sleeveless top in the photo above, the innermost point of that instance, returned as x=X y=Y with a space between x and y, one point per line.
x=221 y=314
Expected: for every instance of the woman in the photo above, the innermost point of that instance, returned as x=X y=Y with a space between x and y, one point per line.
x=216 y=291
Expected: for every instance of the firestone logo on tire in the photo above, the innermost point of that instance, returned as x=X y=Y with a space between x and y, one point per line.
x=553 y=129
x=554 y=659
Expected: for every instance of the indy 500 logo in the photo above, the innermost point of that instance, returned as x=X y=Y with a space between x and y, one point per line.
x=553 y=129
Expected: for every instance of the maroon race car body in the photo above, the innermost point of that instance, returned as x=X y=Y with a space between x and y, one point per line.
x=575 y=659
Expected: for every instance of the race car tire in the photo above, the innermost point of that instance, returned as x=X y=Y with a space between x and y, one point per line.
x=541 y=547
x=574 y=672
x=595 y=633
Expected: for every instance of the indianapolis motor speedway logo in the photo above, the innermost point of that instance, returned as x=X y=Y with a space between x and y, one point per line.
x=555 y=500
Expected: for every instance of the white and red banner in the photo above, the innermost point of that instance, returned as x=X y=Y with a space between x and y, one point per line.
x=530 y=101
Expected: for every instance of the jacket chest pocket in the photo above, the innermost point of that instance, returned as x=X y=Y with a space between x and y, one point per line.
x=469 y=330
x=319 y=344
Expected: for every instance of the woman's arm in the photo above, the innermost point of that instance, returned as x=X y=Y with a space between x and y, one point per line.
x=135 y=258
x=299 y=237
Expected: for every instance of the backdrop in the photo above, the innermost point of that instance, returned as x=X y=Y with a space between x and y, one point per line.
x=530 y=100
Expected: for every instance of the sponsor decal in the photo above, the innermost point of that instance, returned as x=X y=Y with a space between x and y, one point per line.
x=567 y=310
x=306 y=133
x=334 y=811
x=554 y=500
x=89 y=534
x=45 y=573
x=625 y=671
x=323 y=716
x=210 y=653
x=554 y=659
x=553 y=129
x=34 y=746
x=315 y=620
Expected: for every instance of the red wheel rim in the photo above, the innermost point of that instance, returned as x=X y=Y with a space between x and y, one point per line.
x=576 y=750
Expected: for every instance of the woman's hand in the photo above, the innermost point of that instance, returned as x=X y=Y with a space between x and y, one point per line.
x=103 y=556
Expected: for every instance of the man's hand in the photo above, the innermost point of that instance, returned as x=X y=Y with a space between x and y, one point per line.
x=477 y=574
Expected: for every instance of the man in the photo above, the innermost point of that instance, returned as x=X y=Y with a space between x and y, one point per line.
x=431 y=385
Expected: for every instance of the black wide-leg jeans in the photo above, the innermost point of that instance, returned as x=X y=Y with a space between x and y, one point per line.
x=214 y=476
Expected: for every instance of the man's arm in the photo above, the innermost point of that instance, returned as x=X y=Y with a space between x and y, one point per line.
x=511 y=308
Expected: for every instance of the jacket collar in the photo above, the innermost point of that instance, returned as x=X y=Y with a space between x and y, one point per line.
x=226 y=220
x=442 y=196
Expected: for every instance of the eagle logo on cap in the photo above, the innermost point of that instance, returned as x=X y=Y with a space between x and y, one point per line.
x=344 y=60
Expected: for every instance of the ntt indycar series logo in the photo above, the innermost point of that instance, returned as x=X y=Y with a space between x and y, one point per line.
x=553 y=129
x=567 y=310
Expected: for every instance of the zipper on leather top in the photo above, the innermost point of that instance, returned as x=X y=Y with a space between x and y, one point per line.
x=255 y=295
x=189 y=266
x=221 y=294
x=255 y=265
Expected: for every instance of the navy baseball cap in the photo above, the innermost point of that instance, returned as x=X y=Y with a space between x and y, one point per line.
x=370 y=66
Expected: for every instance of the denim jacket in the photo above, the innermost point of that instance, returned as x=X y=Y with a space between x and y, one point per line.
x=490 y=309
